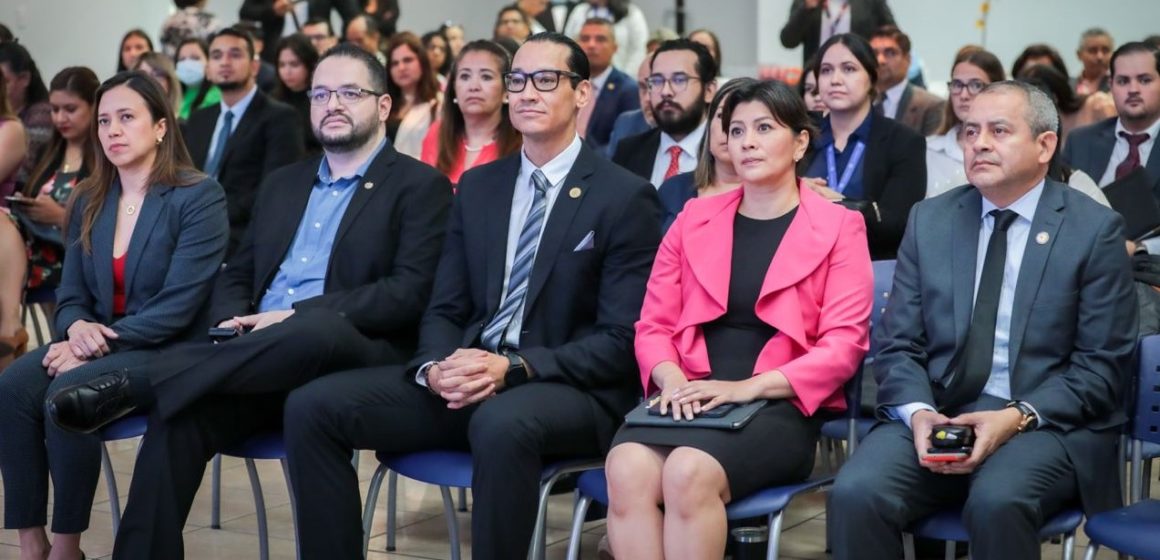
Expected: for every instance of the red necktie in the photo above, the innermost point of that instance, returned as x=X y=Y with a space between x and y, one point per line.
x=1131 y=162
x=675 y=162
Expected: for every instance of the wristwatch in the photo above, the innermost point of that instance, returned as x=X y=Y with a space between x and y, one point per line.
x=517 y=372
x=1030 y=419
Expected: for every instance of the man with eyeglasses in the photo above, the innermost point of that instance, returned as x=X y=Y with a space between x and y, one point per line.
x=681 y=85
x=898 y=99
x=525 y=353
x=334 y=273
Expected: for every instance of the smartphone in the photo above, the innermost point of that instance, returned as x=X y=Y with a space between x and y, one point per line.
x=947 y=455
x=220 y=334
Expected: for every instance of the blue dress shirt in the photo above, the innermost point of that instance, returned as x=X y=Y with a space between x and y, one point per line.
x=818 y=167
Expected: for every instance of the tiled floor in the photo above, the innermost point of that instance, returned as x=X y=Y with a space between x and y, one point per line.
x=422 y=528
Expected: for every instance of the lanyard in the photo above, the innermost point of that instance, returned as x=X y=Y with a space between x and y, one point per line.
x=848 y=172
x=836 y=20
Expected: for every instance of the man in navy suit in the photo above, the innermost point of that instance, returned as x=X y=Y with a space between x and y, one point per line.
x=1012 y=313
x=613 y=91
x=1110 y=150
x=526 y=348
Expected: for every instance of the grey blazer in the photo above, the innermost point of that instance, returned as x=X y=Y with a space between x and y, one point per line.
x=1073 y=326
x=920 y=110
x=177 y=247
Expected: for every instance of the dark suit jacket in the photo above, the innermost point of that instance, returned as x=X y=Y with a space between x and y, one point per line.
x=176 y=249
x=262 y=11
x=618 y=95
x=804 y=26
x=920 y=110
x=384 y=256
x=893 y=176
x=581 y=304
x=1073 y=321
x=267 y=137
x=627 y=124
x=1090 y=148
x=638 y=153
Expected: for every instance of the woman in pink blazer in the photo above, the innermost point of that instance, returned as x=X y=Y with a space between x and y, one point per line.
x=760 y=293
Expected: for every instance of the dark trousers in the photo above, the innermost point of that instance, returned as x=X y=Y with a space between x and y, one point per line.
x=32 y=446
x=380 y=409
x=882 y=489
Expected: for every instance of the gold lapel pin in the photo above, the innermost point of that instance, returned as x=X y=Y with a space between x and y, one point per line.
x=1042 y=237
x=611 y=86
x=368 y=185
x=574 y=192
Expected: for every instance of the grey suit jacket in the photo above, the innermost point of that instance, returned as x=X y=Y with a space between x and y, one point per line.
x=176 y=249
x=1073 y=326
x=1090 y=148
x=920 y=110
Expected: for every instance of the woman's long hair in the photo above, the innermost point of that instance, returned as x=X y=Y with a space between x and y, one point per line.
x=131 y=33
x=983 y=60
x=82 y=83
x=172 y=166
x=705 y=173
x=427 y=88
x=300 y=45
x=452 y=127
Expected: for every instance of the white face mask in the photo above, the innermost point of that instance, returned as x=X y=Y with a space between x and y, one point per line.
x=190 y=71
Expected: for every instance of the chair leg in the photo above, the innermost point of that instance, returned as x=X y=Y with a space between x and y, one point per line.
x=538 y=546
x=452 y=521
x=1138 y=475
x=293 y=507
x=824 y=447
x=1146 y=487
x=774 y=542
x=578 y=513
x=260 y=506
x=950 y=550
x=111 y=486
x=369 y=509
x=907 y=546
x=215 y=501
x=392 y=503
x=463 y=499
x=1069 y=546
x=1092 y=549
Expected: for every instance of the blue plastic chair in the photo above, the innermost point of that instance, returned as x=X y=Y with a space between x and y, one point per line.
x=1135 y=529
x=262 y=446
x=452 y=469
x=948 y=526
x=126 y=428
x=36 y=312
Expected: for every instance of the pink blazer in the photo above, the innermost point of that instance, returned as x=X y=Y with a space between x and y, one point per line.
x=818 y=294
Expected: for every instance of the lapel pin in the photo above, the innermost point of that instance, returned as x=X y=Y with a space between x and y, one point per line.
x=368 y=185
x=574 y=192
x=1042 y=237
x=611 y=86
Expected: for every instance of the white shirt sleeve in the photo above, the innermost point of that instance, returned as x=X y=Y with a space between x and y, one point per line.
x=902 y=413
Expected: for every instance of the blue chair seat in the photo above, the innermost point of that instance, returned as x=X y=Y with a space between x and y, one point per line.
x=1131 y=530
x=125 y=428
x=948 y=525
x=267 y=445
x=836 y=428
x=439 y=467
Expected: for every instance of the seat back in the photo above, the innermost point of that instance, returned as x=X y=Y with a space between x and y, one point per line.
x=883 y=282
x=1146 y=418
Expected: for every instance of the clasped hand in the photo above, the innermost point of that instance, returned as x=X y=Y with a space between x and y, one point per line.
x=686 y=399
x=467 y=376
x=257 y=321
x=993 y=428
x=60 y=359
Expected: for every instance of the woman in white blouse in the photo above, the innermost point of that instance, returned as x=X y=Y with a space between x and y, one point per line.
x=415 y=94
x=628 y=24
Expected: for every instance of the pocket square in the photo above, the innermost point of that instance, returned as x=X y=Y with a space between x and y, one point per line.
x=586 y=243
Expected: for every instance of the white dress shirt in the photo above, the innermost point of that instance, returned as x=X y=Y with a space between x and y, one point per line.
x=239 y=110
x=1120 y=151
x=944 y=163
x=690 y=147
x=302 y=11
x=892 y=98
x=835 y=19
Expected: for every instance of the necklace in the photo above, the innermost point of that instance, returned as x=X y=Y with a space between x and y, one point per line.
x=130 y=209
x=471 y=149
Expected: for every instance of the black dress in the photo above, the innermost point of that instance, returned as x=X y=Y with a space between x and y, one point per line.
x=777 y=446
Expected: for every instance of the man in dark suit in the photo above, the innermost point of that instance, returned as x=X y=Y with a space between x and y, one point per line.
x=631 y=123
x=910 y=105
x=1036 y=365
x=614 y=91
x=811 y=22
x=681 y=83
x=1110 y=150
x=284 y=17
x=526 y=348
x=334 y=273
x=245 y=137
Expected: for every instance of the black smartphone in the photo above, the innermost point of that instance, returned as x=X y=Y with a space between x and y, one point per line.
x=219 y=334
x=716 y=412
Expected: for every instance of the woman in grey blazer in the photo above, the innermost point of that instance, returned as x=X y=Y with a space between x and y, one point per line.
x=146 y=233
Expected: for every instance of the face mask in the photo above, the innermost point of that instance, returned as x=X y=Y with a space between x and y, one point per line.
x=190 y=71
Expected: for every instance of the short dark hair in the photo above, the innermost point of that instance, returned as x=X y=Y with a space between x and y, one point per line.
x=237 y=34
x=19 y=60
x=377 y=71
x=895 y=34
x=1038 y=50
x=1131 y=48
x=6 y=34
x=858 y=47
x=321 y=21
x=369 y=21
x=706 y=66
x=607 y=23
x=1093 y=32
x=577 y=60
x=183 y=4
x=1055 y=85
x=254 y=29
x=1153 y=40
x=786 y=106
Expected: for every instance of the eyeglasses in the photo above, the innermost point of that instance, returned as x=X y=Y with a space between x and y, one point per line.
x=973 y=86
x=680 y=82
x=542 y=80
x=346 y=95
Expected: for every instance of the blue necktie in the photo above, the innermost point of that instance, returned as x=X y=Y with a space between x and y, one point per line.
x=493 y=333
x=215 y=158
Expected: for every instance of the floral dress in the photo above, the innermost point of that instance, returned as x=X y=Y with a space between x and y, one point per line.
x=45 y=257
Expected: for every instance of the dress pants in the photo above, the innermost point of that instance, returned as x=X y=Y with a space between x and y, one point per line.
x=382 y=409
x=882 y=489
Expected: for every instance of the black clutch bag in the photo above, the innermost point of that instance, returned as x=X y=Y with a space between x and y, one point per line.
x=724 y=417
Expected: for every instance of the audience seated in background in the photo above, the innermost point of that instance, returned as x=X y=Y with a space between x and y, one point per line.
x=709 y=39
x=1038 y=53
x=296 y=62
x=631 y=123
x=628 y=24
x=197 y=91
x=386 y=14
x=761 y=345
x=159 y=67
x=146 y=235
x=279 y=18
x=512 y=23
x=614 y=92
x=810 y=93
x=364 y=33
x=1095 y=48
x=13 y=338
x=545 y=15
x=544 y=347
x=190 y=21
x=681 y=83
x=972 y=70
x=321 y=35
x=28 y=99
x=414 y=93
x=1075 y=110
x=906 y=103
x=247 y=136
x=134 y=43
x=475 y=126
x=1037 y=367
x=439 y=55
x=861 y=158
x=715 y=173
x=455 y=36
x=356 y=237
x=13 y=146
x=812 y=22
x=267 y=76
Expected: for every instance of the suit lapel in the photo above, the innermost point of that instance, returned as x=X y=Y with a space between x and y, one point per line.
x=1102 y=151
x=904 y=103
x=559 y=222
x=964 y=250
x=646 y=156
x=201 y=133
x=249 y=120
x=377 y=178
x=497 y=221
x=102 y=235
x=146 y=221
x=293 y=202
x=709 y=246
x=1048 y=217
x=1153 y=166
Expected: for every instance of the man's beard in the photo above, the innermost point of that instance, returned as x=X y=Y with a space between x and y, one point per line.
x=684 y=122
x=348 y=141
x=231 y=86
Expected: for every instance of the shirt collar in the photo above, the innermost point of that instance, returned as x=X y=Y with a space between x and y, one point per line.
x=689 y=144
x=1025 y=206
x=861 y=133
x=894 y=94
x=324 y=167
x=600 y=79
x=240 y=107
x=947 y=143
x=1152 y=131
x=557 y=169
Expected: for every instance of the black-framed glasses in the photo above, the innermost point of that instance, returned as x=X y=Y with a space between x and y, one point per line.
x=542 y=80
x=679 y=81
x=973 y=86
x=346 y=95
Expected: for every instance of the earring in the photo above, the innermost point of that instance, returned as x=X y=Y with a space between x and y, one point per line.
x=159 y=140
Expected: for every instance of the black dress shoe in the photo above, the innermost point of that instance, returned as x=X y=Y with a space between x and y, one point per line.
x=88 y=407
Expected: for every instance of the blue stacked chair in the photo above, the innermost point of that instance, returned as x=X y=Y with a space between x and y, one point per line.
x=262 y=446
x=126 y=428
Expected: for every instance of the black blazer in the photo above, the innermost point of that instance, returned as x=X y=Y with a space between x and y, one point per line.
x=262 y=11
x=893 y=177
x=267 y=137
x=581 y=303
x=384 y=255
x=638 y=153
x=618 y=95
x=1090 y=148
x=804 y=26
